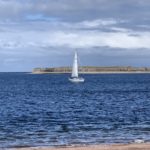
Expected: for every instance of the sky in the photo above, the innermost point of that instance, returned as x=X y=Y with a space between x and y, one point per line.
x=45 y=33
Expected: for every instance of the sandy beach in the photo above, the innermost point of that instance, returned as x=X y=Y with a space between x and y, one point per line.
x=134 y=146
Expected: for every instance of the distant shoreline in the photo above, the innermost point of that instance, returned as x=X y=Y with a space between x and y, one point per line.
x=93 y=70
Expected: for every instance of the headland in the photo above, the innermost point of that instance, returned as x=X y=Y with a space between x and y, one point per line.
x=93 y=69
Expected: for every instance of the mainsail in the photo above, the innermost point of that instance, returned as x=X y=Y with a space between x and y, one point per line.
x=75 y=66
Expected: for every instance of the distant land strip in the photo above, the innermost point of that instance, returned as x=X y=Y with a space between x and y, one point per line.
x=93 y=69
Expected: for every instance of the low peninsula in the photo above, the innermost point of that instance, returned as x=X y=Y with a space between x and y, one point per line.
x=93 y=70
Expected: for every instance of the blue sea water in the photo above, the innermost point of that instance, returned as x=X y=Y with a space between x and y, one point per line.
x=48 y=110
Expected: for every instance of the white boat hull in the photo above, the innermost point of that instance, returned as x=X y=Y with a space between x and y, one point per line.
x=76 y=80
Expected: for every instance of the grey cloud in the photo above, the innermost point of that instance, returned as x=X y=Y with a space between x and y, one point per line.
x=75 y=10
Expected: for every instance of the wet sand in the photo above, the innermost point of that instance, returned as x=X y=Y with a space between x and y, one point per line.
x=141 y=146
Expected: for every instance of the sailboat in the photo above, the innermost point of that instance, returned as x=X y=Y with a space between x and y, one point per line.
x=75 y=77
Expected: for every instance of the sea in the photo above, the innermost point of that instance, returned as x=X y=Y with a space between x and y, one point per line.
x=48 y=110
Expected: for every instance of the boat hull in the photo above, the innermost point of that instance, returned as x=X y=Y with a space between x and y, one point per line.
x=76 y=80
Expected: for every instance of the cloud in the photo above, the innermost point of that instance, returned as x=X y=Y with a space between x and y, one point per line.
x=74 y=10
x=38 y=30
x=75 y=37
x=91 y=39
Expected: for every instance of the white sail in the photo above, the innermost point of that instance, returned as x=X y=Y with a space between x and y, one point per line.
x=75 y=66
x=74 y=77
